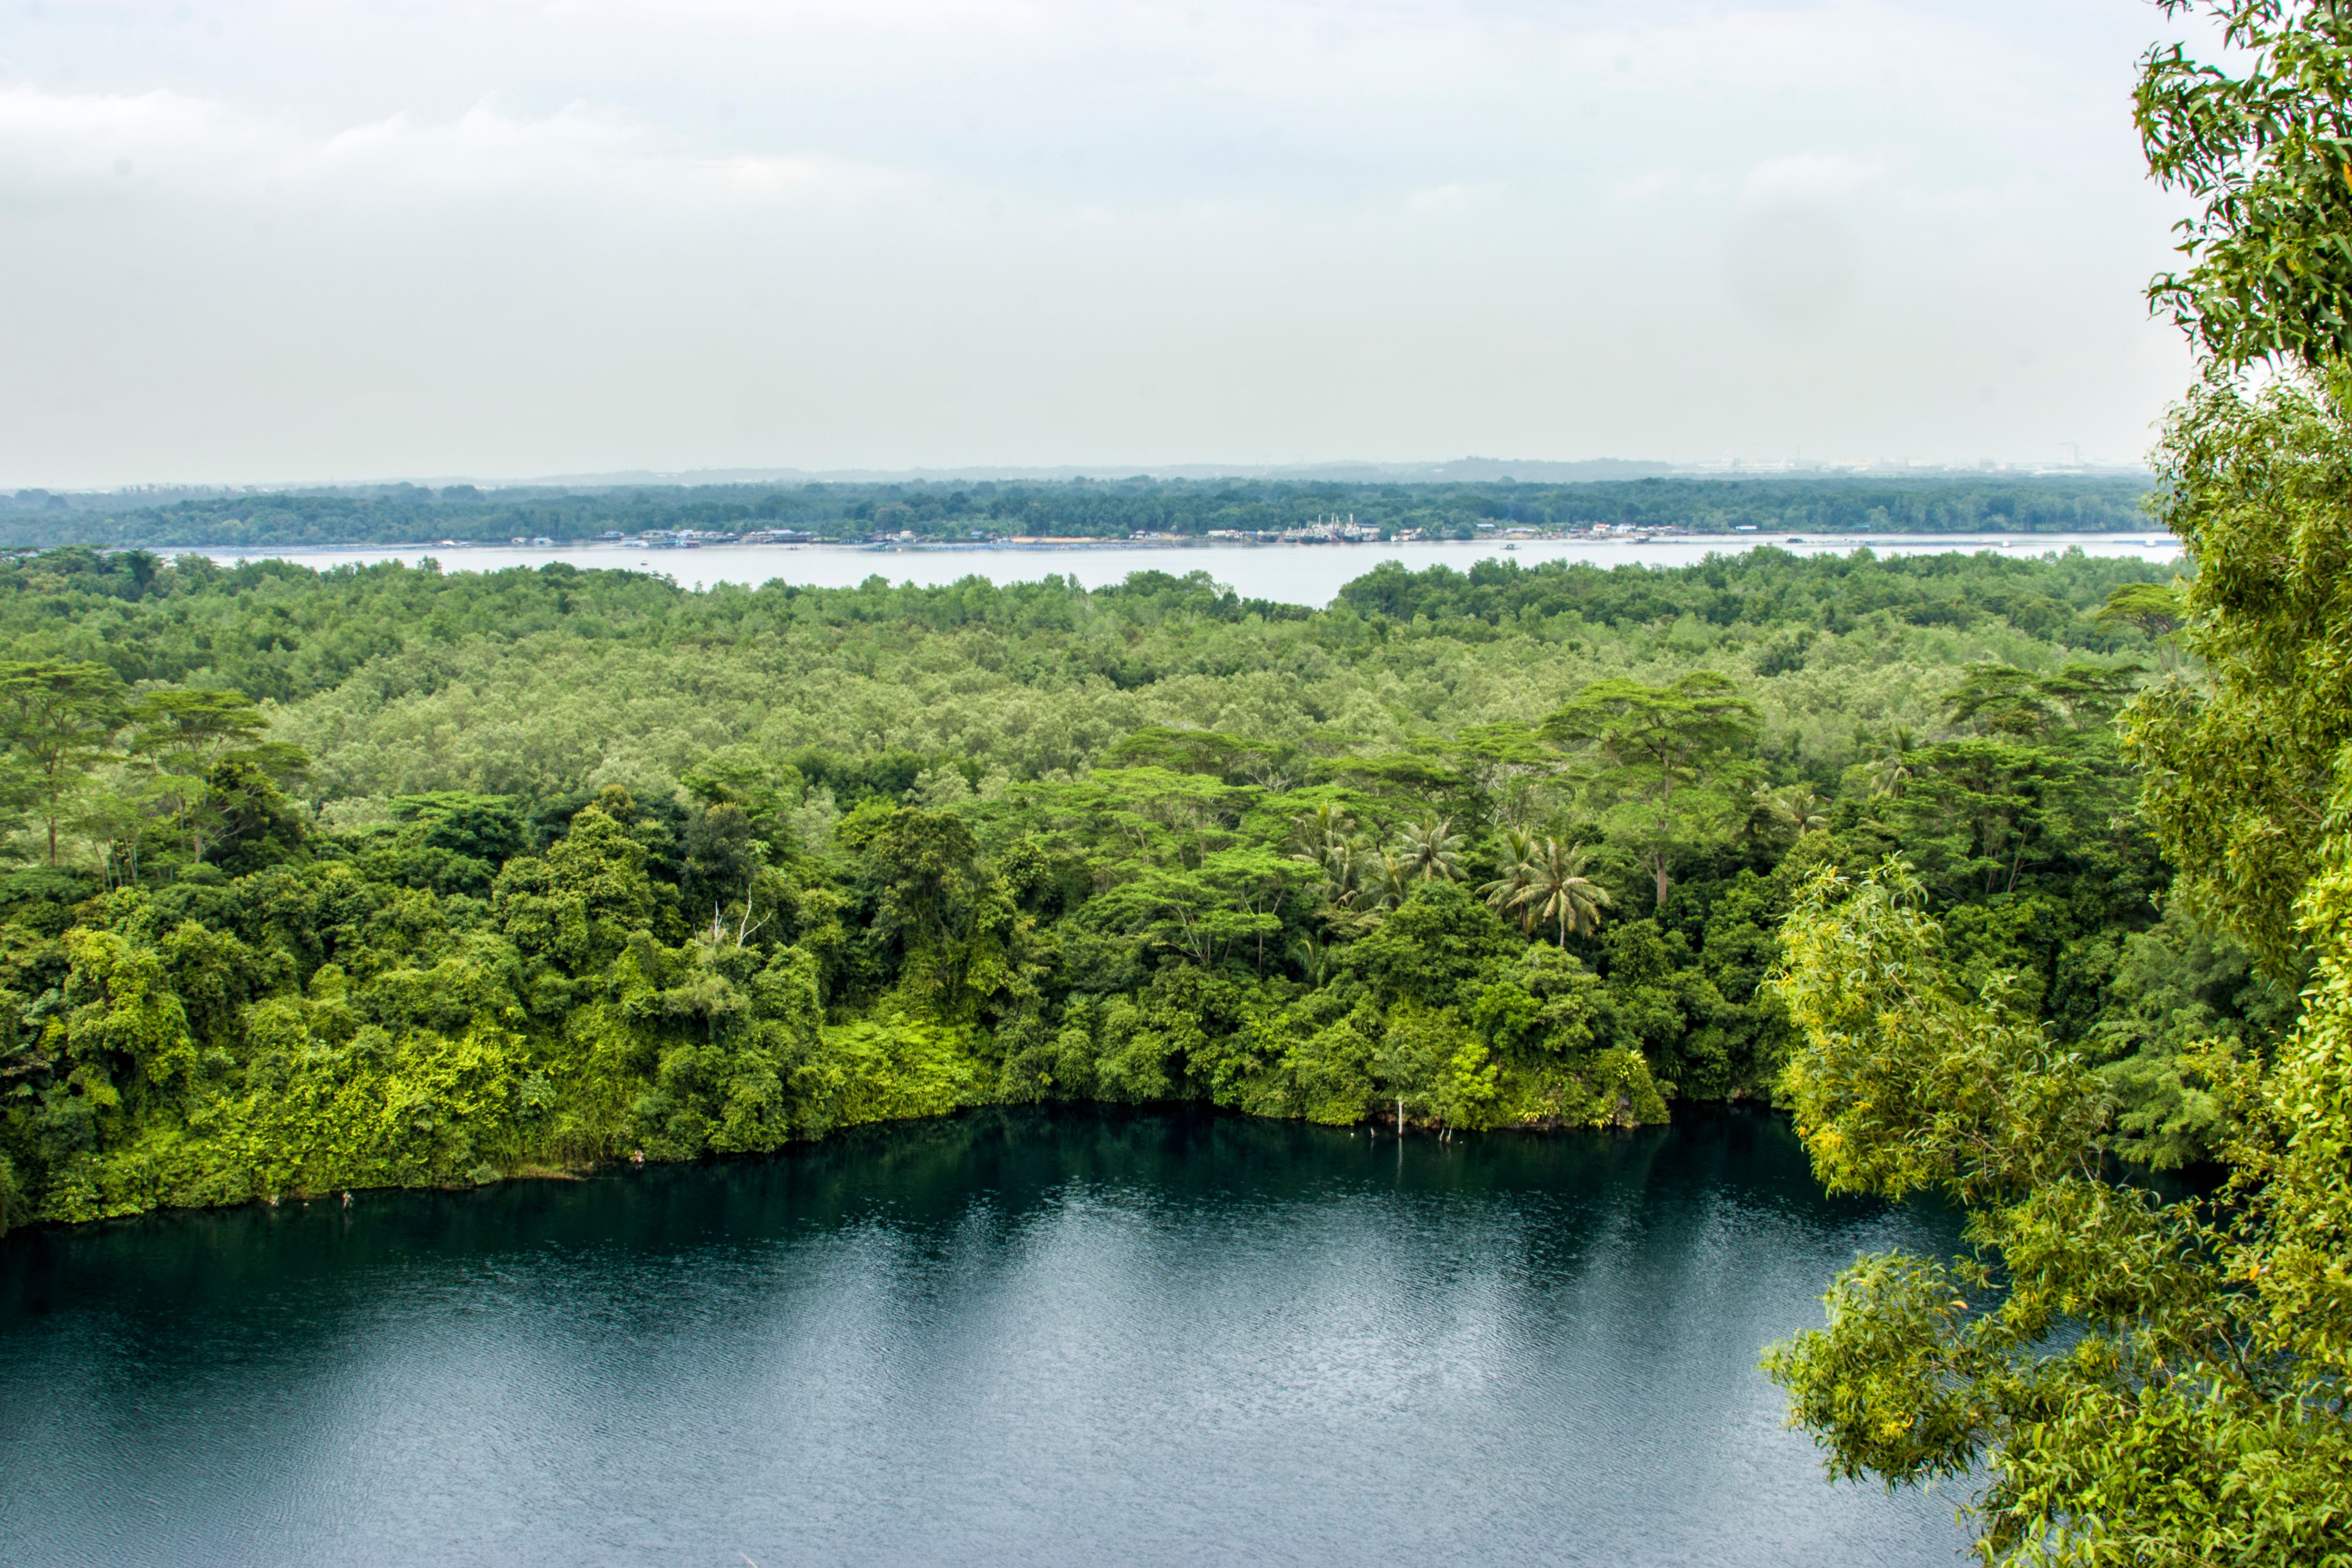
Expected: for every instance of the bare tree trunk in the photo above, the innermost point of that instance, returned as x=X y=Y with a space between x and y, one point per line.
x=1665 y=823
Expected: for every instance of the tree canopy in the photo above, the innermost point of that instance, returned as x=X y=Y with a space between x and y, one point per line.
x=389 y=875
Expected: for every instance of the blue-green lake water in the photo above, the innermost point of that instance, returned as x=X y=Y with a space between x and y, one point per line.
x=1005 y=1337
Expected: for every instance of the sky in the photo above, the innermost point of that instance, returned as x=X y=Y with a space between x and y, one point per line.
x=318 y=240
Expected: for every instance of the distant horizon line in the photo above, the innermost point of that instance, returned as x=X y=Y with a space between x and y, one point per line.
x=1466 y=470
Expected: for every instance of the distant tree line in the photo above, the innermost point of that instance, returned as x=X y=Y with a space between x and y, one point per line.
x=399 y=514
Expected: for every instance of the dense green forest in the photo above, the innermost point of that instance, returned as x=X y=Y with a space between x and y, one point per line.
x=388 y=875
x=2014 y=882
x=1078 y=507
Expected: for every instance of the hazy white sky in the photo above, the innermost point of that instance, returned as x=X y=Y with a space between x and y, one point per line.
x=320 y=239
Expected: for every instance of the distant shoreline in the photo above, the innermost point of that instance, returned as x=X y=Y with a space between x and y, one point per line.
x=1125 y=514
x=2010 y=538
x=1294 y=574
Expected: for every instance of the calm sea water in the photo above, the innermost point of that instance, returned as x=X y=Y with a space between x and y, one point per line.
x=1291 y=574
x=1006 y=1337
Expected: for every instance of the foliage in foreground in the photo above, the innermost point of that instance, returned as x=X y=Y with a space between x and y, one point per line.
x=2134 y=1380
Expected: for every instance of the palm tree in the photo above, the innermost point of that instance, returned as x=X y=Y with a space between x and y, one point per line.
x=1794 y=812
x=1560 y=890
x=1766 y=818
x=1518 y=869
x=1324 y=837
x=1316 y=960
x=1430 y=850
x=1892 y=770
x=1387 y=880
x=1315 y=831
x=1342 y=866
x=1802 y=809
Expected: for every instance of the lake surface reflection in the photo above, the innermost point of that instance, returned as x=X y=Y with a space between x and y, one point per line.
x=1287 y=573
x=1008 y=1336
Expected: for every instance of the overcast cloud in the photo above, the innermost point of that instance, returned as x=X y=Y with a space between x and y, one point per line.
x=327 y=240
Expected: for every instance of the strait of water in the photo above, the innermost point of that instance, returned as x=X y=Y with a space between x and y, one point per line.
x=1016 y=1336
x=1288 y=573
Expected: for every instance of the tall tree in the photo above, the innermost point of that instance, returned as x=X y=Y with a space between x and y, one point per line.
x=1558 y=889
x=1665 y=752
x=184 y=733
x=1517 y=868
x=61 y=719
x=2152 y=607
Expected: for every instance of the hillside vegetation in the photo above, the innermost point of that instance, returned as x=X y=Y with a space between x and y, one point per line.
x=390 y=875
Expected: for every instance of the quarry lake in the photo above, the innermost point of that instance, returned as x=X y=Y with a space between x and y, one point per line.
x=1016 y=1336
x=1291 y=574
